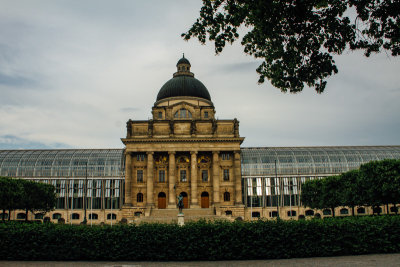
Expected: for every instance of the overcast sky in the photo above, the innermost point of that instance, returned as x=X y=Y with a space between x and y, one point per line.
x=73 y=72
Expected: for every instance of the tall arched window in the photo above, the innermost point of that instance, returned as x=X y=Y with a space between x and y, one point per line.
x=139 y=197
x=227 y=196
x=93 y=216
x=111 y=216
x=183 y=114
x=56 y=216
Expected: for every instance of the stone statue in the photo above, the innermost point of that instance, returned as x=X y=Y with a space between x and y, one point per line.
x=193 y=127
x=171 y=127
x=214 y=126
x=180 y=203
x=236 y=127
x=129 y=128
x=150 y=129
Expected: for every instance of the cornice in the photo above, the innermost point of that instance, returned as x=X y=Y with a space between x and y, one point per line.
x=181 y=140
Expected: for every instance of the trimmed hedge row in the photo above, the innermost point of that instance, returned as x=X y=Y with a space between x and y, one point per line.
x=202 y=240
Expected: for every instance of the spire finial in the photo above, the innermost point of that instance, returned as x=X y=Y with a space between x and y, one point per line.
x=183 y=55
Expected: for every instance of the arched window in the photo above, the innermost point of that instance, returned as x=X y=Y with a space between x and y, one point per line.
x=111 y=215
x=327 y=212
x=344 y=211
x=291 y=213
x=93 y=216
x=228 y=212
x=309 y=212
x=394 y=209
x=138 y=213
x=75 y=216
x=361 y=210
x=183 y=114
x=227 y=196
x=273 y=214
x=21 y=216
x=39 y=216
x=377 y=210
x=139 y=197
x=56 y=216
x=255 y=214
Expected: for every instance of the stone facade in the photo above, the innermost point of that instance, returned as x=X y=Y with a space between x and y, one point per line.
x=184 y=150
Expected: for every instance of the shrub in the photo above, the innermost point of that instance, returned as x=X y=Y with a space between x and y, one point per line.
x=201 y=240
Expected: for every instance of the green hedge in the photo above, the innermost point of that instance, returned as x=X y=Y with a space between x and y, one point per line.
x=201 y=240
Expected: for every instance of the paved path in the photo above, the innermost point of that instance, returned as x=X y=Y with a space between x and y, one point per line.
x=386 y=260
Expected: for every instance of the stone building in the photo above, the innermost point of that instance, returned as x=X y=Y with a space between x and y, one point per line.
x=183 y=150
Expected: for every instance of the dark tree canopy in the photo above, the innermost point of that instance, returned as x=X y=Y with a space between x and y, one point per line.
x=28 y=195
x=297 y=38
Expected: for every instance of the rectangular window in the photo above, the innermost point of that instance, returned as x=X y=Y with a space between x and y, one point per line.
x=205 y=114
x=140 y=157
x=183 y=176
x=160 y=115
x=226 y=174
x=140 y=176
x=225 y=156
x=204 y=175
x=161 y=176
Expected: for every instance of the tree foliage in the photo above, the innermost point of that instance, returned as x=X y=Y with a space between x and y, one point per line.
x=376 y=183
x=381 y=182
x=296 y=39
x=352 y=193
x=322 y=193
x=26 y=195
x=10 y=194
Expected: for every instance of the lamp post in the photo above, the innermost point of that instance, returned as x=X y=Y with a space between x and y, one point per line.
x=277 y=195
x=85 y=196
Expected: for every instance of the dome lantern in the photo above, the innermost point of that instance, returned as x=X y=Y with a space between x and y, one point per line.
x=183 y=67
x=183 y=83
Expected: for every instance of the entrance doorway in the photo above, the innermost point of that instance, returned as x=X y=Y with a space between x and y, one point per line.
x=205 y=200
x=185 y=200
x=162 y=200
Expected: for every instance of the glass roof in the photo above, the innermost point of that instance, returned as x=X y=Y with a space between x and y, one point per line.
x=260 y=161
x=62 y=163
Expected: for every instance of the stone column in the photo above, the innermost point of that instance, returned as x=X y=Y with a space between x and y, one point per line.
x=216 y=178
x=238 y=178
x=128 y=180
x=150 y=182
x=171 y=181
x=193 y=180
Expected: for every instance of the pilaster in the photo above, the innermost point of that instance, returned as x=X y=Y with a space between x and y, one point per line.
x=216 y=182
x=150 y=182
x=193 y=180
x=171 y=181
x=238 y=178
x=128 y=180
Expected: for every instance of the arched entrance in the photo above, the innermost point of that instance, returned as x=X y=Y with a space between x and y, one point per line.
x=205 y=200
x=185 y=200
x=162 y=200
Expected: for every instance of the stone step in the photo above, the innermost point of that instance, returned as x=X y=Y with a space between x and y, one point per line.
x=153 y=219
x=174 y=212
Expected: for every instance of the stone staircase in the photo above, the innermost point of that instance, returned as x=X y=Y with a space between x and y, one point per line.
x=171 y=215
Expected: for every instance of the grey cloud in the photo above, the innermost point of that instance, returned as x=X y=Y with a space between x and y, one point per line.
x=126 y=110
x=16 y=81
x=15 y=142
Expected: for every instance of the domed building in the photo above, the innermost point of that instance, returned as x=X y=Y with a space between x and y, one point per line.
x=183 y=150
